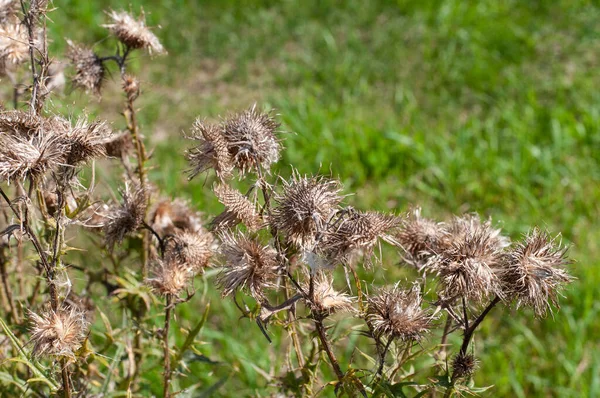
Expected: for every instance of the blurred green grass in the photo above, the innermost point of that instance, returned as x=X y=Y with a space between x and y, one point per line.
x=456 y=106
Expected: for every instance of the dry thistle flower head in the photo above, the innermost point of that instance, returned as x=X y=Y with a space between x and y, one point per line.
x=126 y=217
x=85 y=141
x=17 y=122
x=30 y=156
x=394 y=313
x=420 y=238
x=191 y=250
x=131 y=87
x=464 y=365
x=8 y=10
x=118 y=145
x=467 y=266
x=247 y=264
x=237 y=209
x=170 y=216
x=305 y=207
x=326 y=299
x=89 y=69
x=169 y=277
x=212 y=152
x=251 y=139
x=133 y=32
x=14 y=43
x=534 y=272
x=355 y=231
x=58 y=333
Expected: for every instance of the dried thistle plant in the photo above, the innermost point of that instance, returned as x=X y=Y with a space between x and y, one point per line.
x=192 y=250
x=237 y=209
x=169 y=277
x=126 y=217
x=58 y=333
x=326 y=300
x=89 y=68
x=535 y=273
x=420 y=238
x=212 y=152
x=133 y=32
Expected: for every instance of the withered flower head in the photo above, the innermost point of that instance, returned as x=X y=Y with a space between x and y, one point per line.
x=85 y=141
x=356 y=232
x=8 y=10
x=305 y=207
x=170 y=216
x=133 y=32
x=237 y=209
x=131 y=87
x=21 y=123
x=534 y=273
x=326 y=299
x=467 y=267
x=251 y=139
x=118 y=145
x=459 y=227
x=464 y=365
x=169 y=277
x=58 y=333
x=126 y=217
x=33 y=156
x=89 y=69
x=247 y=264
x=212 y=152
x=420 y=238
x=14 y=43
x=190 y=249
x=394 y=313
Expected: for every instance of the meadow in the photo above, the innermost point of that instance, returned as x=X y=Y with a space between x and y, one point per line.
x=455 y=106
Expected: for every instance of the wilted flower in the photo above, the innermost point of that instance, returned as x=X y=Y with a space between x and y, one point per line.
x=248 y=264
x=21 y=123
x=305 y=207
x=397 y=314
x=355 y=231
x=191 y=250
x=8 y=9
x=58 y=333
x=131 y=87
x=420 y=238
x=169 y=277
x=118 y=145
x=14 y=43
x=463 y=365
x=251 y=139
x=237 y=209
x=212 y=152
x=89 y=69
x=467 y=266
x=170 y=216
x=133 y=32
x=85 y=141
x=126 y=217
x=326 y=299
x=33 y=156
x=534 y=272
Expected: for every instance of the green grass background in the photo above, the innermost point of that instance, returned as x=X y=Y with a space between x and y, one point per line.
x=454 y=105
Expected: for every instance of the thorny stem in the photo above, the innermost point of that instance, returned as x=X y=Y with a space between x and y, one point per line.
x=167 y=358
x=29 y=23
x=65 y=379
x=327 y=348
x=382 y=359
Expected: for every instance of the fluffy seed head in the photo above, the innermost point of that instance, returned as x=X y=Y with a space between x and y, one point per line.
x=133 y=32
x=247 y=264
x=58 y=333
x=212 y=152
x=251 y=139
x=191 y=250
x=14 y=43
x=394 y=313
x=127 y=217
x=420 y=238
x=237 y=209
x=468 y=264
x=305 y=207
x=171 y=216
x=89 y=69
x=169 y=277
x=118 y=145
x=85 y=141
x=326 y=299
x=463 y=366
x=534 y=273
x=355 y=231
